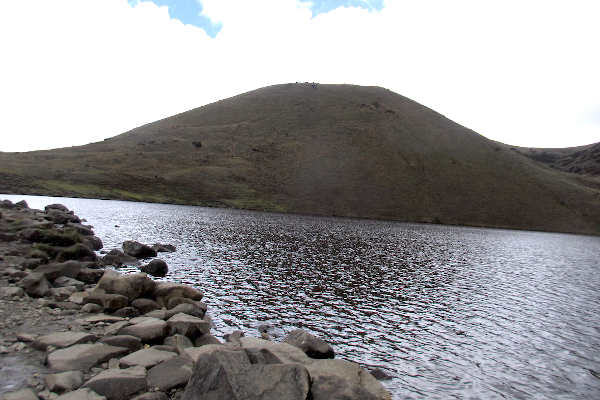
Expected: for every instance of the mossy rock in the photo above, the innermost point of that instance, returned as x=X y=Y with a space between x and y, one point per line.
x=78 y=252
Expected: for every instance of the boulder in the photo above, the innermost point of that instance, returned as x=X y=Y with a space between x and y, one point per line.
x=116 y=328
x=90 y=275
x=156 y=268
x=170 y=374
x=91 y=308
x=82 y=357
x=130 y=286
x=206 y=339
x=60 y=207
x=148 y=331
x=163 y=248
x=138 y=250
x=340 y=379
x=78 y=251
x=35 y=284
x=127 y=312
x=62 y=217
x=160 y=314
x=187 y=325
x=195 y=353
x=93 y=242
x=179 y=342
x=234 y=337
x=85 y=230
x=50 y=271
x=71 y=269
x=63 y=281
x=107 y=301
x=175 y=301
x=165 y=291
x=229 y=374
x=310 y=344
x=118 y=258
x=104 y=318
x=14 y=273
x=131 y=342
x=118 y=383
x=64 y=381
x=186 y=308
x=146 y=358
x=145 y=305
x=81 y=394
x=22 y=204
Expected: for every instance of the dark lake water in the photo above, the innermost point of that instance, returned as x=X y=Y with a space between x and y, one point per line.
x=449 y=312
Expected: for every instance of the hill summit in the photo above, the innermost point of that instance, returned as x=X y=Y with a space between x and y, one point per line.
x=319 y=149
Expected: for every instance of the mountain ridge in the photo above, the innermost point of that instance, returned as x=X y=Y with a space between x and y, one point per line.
x=319 y=149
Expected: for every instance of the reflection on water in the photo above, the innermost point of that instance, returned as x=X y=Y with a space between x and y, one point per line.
x=449 y=312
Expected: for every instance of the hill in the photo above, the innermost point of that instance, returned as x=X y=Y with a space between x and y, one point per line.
x=318 y=149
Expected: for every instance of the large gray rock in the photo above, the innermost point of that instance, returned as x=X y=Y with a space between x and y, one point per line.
x=61 y=340
x=81 y=394
x=130 y=286
x=11 y=291
x=107 y=301
x=90 y=275
x=145 y=305
x=138 y=250
x=187 y=325
x=150 y=330
x=186 y=308
x=50 y=271
x=152 y=396
x=156 y=268
x=85 y=230
x=35 y=284
x=131 y=342
x=171 y=374
x=310 y=344
x=118 y=258
x=118 y=383
x=166 y=291
x=78 y=251
x=195 y=353
x=127 y=312
x=331 y=379
x=71 y=269
x=64 y=381
x=205 y=339
x=116 y=328
x=340 y=379
x=146 y=358
x=93 y=242
x=179 y=342
x=229 y=374
x=82 y=357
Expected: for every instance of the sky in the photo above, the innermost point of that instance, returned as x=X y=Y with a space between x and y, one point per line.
x=72 y=72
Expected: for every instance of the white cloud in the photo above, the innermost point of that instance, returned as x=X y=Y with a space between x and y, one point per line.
x=77 y=71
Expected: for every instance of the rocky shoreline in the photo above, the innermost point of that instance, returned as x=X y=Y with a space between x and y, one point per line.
x=72 y=327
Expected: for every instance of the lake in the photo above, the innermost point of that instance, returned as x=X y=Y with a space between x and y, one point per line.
x=448 y=312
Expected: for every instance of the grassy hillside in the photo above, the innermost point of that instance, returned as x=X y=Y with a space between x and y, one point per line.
x=318 y=149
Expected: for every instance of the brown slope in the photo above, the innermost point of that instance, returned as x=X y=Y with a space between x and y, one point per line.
x=318 y=149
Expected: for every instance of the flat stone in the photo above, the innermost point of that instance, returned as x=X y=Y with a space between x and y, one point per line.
x=146 y=358
x=78 y=297
x=26 y=337
x=50 y=271
x=63 y=281
x=104 y=318
x=92 y=308
x=61 y=340
x=287 y=353
x=118 y=383
x=187 y=325
x=64 y=381
x=152 y=396
x=147 y=331
x=81 y=394
x=160 y=314
x=205 y=339
x=186 y=308
x=82 y=357
x=195 y=353
x=116 y=328
x=170 y=374
x=11 y=291
x=131 y=342
x=61 y=293
x=23 y=394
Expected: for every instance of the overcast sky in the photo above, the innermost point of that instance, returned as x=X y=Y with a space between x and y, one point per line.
x=78 y=71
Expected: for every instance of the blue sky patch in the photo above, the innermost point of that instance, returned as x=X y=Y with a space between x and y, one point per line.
x=188 y=11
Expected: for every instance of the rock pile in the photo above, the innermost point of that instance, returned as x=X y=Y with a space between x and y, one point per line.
x=136 y=338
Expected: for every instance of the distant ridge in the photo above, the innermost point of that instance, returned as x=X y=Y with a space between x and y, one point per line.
x=319 y=149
